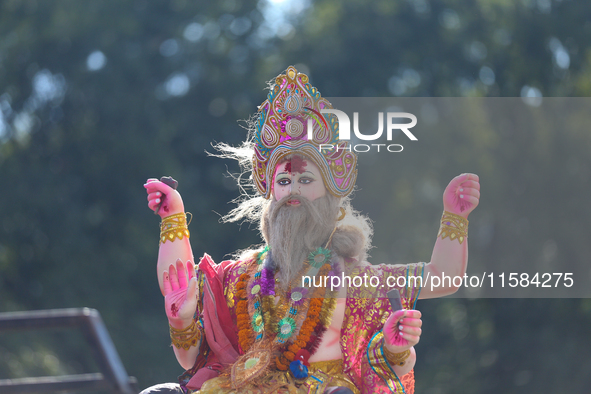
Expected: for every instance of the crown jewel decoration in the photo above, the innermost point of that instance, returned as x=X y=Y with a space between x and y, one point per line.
x=282 y=129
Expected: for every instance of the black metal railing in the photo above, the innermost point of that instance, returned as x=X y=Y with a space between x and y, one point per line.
x=113 y=376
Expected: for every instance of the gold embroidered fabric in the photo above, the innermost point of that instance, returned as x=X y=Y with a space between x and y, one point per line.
x=365 y=313
x=322 y=374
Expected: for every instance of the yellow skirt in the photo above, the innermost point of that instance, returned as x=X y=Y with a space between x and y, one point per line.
x=321 y=375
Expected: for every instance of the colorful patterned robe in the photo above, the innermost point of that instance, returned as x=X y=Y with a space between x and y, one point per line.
x=361 y=335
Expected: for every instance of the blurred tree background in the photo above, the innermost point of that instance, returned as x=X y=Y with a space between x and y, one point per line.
x=98 y=96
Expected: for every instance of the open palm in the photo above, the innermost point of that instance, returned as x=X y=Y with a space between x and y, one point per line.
x=180 y=291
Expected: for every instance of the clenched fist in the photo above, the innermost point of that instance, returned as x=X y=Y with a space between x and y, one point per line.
x=462 y=195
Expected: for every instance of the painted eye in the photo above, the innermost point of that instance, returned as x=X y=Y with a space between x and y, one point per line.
x=283 y=181
x=306 y=181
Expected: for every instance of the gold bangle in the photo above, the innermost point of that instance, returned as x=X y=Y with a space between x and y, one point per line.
x=179 y=219
x=185 y=338
x=453 y=226
x=174 y=226
x=396 y=358
x=177 y=232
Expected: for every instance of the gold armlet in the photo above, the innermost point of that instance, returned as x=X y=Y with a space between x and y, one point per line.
x=453 y=226
x=186 y=337
x=396 y=358
x=174 y=226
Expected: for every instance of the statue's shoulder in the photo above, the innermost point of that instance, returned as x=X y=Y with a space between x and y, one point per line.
x=244 y=262
x=382 y=270
x=359 y=267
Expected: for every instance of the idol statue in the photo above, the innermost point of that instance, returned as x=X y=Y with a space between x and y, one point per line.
x=304 y=312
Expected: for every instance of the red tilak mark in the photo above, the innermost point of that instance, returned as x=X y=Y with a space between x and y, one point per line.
x=174 y=310
x=296 y=164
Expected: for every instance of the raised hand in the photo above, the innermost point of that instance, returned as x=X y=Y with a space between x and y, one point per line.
x=402 y=330
x=462 y=195
x=180 y=291
x=160 y=194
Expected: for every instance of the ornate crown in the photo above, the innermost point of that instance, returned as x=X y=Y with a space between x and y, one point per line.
x=282 y=129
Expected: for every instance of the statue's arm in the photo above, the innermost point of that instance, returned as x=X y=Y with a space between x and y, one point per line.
x=409 y=364
x=176 y=273
x=450 y=253
x=402 y=331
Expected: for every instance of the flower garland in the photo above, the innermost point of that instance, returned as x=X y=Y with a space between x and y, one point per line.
x=264 y=313
x=245 y=335
x=304 y=337
x=262 y=291
x=313 y=322
x=328 y=308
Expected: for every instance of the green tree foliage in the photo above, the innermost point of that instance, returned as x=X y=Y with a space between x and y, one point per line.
x=97 y=96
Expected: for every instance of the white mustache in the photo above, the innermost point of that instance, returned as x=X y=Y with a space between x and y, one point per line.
x=285 y=200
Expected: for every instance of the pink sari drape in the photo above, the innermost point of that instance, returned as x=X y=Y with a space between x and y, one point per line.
x=217 y=322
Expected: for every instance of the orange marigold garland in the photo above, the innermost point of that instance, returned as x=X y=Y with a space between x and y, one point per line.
x=328 y=308
x=265 y=319
x=308 y=326
x=245 y=323
x=245 y=334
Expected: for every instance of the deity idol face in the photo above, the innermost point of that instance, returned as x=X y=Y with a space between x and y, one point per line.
x=298 y=177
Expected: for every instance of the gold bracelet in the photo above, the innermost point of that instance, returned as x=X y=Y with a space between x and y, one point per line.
x=177 y=232
x=396 y=358
x=176 y=220
x=453 y=226
x=174 y=226
x=185 y=338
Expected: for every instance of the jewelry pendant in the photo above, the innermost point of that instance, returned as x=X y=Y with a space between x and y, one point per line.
x=250 y=366
x=319 y=257
x=287 y=326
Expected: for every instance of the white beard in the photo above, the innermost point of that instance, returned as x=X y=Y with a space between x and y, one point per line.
x=292 y=232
